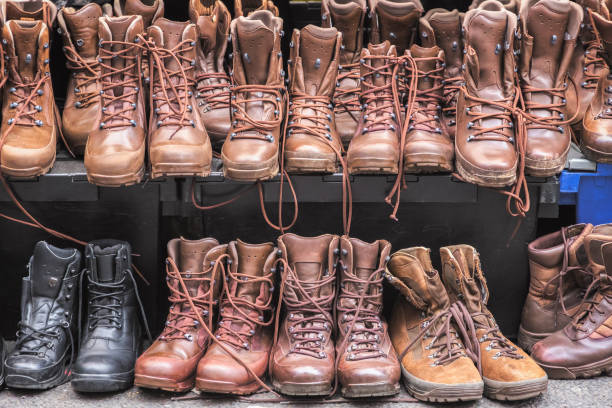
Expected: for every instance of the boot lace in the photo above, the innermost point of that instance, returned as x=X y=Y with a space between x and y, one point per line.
x=85 y=73
x=181 y=317
x=428 y=103
x=27 y=95
x=452 y=86
x=247 y=127
x=33 y=341
x=379 y=101
x=556 y=120
x=240 y=317
x=213 y=91
x=601 y=287
x=593 y=60
x=347 y=99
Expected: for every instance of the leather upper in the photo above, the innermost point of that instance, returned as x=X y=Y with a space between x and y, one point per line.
x=395 y=21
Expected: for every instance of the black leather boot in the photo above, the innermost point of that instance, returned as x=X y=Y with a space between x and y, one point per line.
x=111 y=333
x=45 y=345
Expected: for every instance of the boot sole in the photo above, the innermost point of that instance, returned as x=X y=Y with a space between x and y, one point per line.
x=116 y=181
x=310 y=165
x=585 y=371
x=595 y=155
x=527 y=339
x=370 y=390
x=548 y=168
x=485 y=178
x=223 y=387
x=165 y=384
x=23 y=381
x=435 y=392
x=264 y=171
x=373 y=166
x=29 y=172
x=304 y=389
x=426 y=163
x=179 y=170
x=514 y=391
x=102 y=382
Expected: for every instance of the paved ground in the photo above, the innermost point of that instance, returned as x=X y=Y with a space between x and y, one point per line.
x=594 y=393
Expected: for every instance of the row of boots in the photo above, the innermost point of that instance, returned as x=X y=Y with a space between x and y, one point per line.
x=77 y=325
x=229 y=325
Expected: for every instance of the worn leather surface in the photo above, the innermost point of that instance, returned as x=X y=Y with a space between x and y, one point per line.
x=395 y=21
x=43 y=10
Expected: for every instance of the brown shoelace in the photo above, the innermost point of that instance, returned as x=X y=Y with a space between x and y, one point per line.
x=428 y=102
x=379 y=101
x=310 y=322
x=246 y=126
x=601 y=290
x=213 y=91
x=365 y=331
x=85 y=73
x=171 y=88
x=593 y=61
x=239 y=316
x=347 y=100
x=182 y=317
x=452 y=86
x=556 y=120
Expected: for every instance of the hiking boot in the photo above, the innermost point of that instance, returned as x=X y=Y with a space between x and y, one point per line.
x=395 y=21
x=508 y=373
x=246 y=7
x=303 y=355
x=558 y=277
x=434 y=362
x=367 y=362
x=170 y=363
x=43 y=10
x=245 y=322
x=45 y=349
x=312 y=144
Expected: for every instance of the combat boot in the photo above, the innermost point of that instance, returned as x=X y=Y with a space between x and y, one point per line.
x=587 y=64
x=250 y=151
x=245 y=322
x=110 y=337
x=549 y=29
x=312 y=144
x=367 y=362
x=435 y=366
x=303 y=355
x=396 y=21
x=80 y=33
x=348 y=17
x=428 y=148
x=485 y=143
x=596 y=138
x=178 y=142
x=246 y=7
x=45 y=347
x=558 y=277
x=149 y=10
x=170 y=363
x=115 y=151
x=583 y=348
x=375 y=148
x=212 y=94
x=449 y=37
x=28 y=135
x=510 y=5
x=508 y=373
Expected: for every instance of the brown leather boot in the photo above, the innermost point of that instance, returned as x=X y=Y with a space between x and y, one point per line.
x=348 y=17
x=29 y=127
x=558 y=277
x=435 y=366
x=245 y=326
x=250 y=152
x=44 y=10
x=178 y=142
x=395 y=21
x=583 y=348
x=367 y=362
x=375 y=147
x=510 y=5
x=213 y=96
x=508 y=373
x=596 y=140
x=587 y=64
x=485 y=140
x=549 y=30
x=246 y=7
x=428 y=148
x=449 y=37
x=150 y=10
x=312 y=144
x=302 y=360
x=80 y=34
x=115 y=151
x=170 y=363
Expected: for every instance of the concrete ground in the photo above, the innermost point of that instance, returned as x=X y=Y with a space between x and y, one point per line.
x=593 y=393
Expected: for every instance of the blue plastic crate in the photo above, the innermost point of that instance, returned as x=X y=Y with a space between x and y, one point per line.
x=590 y=192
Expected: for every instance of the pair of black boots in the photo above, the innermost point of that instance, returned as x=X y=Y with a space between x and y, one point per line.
x=55 y=297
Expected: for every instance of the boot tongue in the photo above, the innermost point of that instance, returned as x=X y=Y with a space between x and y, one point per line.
x=397 y=20
x=593 y=244
x=472 y=296
x=384 y=49
x=347 y=18
x=256 y=42
x=317 y=46
x=426 y=65
x=604 y=28
x=207 y=28
x=106 y=270
x=447 y=28
x=47 y=269
x=171 y=35
x=25 y=35
x=251 y=262
x=83 y=28
x=138 y=7
x=365 y=258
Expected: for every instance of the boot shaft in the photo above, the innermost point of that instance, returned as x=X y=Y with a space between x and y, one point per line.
x=448 y=33
x=150 y=10
x=213 y=23
x=511 y=5
x=348 y=18
x=42 y=10
x=247 y=7
x=395 y=21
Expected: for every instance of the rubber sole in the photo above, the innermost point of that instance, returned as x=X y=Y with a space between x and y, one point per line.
x=304 y=389
x=165 y=384
x=527 y=339
x=373 y=166
x=222 y=387
x=310 y=165
x=595 y=155
x=514 y=391
x=23 y=381
x=485 y=178
x=179 y=170
x=549 y=168
x=28 y=172
x=370 y=390
x=426 y=163
x=585 y=371
x=116 y=181
x=102 y=382
x=436 y=392
x=263 y=170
